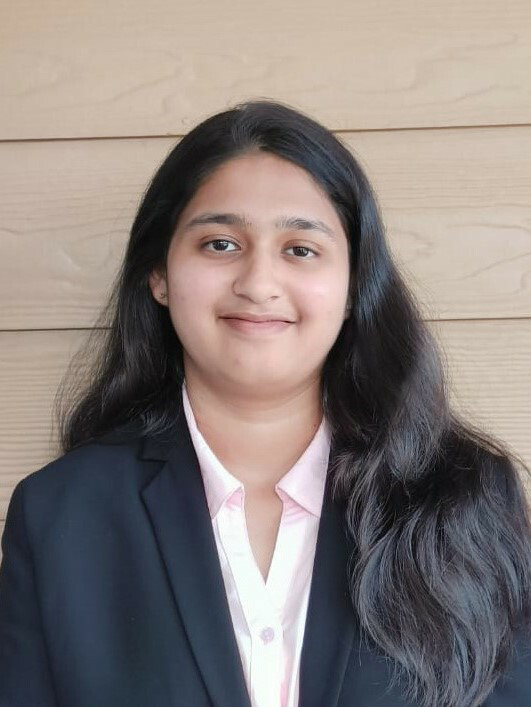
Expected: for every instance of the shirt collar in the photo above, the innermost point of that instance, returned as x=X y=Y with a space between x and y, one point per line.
x=304 y=483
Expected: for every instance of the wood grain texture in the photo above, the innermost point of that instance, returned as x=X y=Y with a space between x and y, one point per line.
x=455 y=203
x=489 y=366
x=31 y=367
x=98 y=68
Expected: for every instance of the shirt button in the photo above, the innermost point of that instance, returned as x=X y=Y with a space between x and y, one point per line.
x=267 y=634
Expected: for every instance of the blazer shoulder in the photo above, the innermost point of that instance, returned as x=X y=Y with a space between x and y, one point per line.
x=91 y=470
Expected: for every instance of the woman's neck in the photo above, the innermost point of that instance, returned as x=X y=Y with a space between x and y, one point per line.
x=256 y=441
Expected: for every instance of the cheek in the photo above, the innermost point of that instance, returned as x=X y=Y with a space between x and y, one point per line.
x=185 y=298
x=186 y=284
x=325 y=297
x=194 y=296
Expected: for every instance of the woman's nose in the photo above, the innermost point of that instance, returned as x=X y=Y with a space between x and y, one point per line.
x=257 y=277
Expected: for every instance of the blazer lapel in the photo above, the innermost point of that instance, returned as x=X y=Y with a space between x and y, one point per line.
x=176 y=504
x=330 y=622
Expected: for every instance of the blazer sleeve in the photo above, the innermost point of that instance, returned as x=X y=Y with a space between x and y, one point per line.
x=25 y=677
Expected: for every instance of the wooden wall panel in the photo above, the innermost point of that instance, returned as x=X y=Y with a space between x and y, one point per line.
x=31 y=367
x=455 y=202
x=89 y=69
x=489 y=365
x=489 y=361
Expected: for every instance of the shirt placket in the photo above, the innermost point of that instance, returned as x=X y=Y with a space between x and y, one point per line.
x=263 y=619
x=288 y=586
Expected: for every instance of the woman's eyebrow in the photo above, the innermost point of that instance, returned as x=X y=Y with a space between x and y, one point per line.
x=232 y=219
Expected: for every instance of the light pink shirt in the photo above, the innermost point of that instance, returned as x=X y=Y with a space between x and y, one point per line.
x=268 y=617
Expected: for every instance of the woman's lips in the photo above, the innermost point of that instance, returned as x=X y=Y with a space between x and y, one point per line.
x=248 y=327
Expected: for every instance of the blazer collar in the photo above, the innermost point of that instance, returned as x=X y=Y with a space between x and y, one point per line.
x=176 y=504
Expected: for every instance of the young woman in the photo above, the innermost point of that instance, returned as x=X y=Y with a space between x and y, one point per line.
x=264 y=497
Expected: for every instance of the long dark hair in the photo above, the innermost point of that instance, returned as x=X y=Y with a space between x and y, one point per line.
x=441 y=568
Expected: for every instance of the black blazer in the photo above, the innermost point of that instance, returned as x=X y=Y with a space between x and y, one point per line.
x=111 y=594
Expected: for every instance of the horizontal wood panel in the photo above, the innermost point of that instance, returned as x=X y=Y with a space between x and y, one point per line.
x=455 y=202
x=490 y=363
x=31 y=367
x=90 y=69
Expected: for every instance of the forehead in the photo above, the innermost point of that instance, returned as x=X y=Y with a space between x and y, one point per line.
x=265 y=186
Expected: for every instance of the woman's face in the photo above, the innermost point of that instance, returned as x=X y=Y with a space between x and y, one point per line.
x=258 y=239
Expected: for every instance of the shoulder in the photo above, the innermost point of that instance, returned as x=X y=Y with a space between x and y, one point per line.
x=90 y=475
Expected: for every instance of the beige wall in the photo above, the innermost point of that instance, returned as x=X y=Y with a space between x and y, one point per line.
x=433 y=97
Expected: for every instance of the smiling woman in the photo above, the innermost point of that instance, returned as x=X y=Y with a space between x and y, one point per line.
x=265 y=498
x=259 y=274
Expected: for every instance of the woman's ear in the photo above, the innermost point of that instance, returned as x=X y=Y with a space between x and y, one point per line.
x=159 y=286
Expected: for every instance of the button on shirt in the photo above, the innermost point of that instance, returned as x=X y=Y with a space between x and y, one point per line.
x=268 y=616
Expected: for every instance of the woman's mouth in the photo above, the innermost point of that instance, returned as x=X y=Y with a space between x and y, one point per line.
x=247 y=326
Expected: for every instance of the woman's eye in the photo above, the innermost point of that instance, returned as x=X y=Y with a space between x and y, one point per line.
x=301 y=250
x=218 y=241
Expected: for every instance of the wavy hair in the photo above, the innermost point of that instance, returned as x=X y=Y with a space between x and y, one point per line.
x=440 y=572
